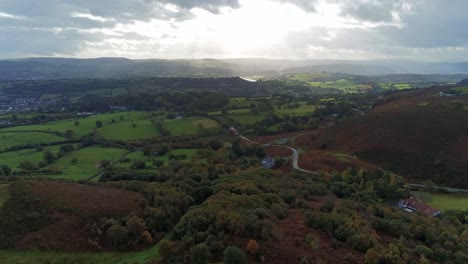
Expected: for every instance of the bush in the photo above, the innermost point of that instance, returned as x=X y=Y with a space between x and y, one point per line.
x=200 y=254
x=117 y=235
x=234 y=255
x=138 y=165
x=252 y=247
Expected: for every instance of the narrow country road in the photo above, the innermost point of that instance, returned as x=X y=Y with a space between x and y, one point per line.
x=452 y=190
x=295 y=153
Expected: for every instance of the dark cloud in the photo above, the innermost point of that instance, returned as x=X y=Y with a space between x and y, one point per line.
x=373 y=11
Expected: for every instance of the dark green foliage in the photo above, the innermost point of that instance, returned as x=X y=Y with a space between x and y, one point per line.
x=21 y=214
x=200 y=254
x=117 y=235
x=138 y=165
x=5 y=170
x=234 y=255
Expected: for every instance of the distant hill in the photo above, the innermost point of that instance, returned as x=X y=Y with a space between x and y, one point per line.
x=464 y=82
x=418 y=134
x=59 y=68
x=358 y=69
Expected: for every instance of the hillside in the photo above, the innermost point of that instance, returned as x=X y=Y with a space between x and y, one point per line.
x=59 y=68
x=418 y=134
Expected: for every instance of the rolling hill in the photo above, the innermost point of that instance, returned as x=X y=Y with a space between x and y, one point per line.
x=420 y=134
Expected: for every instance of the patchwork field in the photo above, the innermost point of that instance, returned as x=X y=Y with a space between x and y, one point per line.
x=14 y=158
x=189 y=126
x=85 y=125
x=26 y=138
x=87 y=164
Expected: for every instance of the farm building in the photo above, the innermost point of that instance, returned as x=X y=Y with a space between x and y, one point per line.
x=412 y=205
x=268 y=162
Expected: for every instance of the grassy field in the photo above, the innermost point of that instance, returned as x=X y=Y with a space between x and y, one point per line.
x=402 y=86
x=13 y=159
x=138 y=155
x=444 y=202
x=124 y=130
x=4 y=193
x=16 y=138
x=87 y=162
x=248 y=119
x=189 y=126
x=86 y=124
x=40 y=257
x=304 y=109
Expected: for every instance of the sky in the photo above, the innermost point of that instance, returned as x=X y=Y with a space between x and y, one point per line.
x=421 y=30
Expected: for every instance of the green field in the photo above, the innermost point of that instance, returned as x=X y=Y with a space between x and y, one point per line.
x=10 y=139
x=4 y=193
x=189 y=126
x=304 y=109
x=41 y=257
x=248 y=119
x=86 y=124
x=402 y=86
x=138 y=155
x=87 y=162
x=444 y=202
x=461 y=89
x=125 y=131
x=14 y=158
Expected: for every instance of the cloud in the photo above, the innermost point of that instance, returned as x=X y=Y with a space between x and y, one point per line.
x=306 y=5
x=417 y=29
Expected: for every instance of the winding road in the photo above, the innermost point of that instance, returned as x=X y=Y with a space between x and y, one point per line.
x=295 y=153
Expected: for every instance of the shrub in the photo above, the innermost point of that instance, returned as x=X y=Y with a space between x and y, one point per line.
x=252 y=247
x=117 y=235
x=233 y=255
x=200 y=254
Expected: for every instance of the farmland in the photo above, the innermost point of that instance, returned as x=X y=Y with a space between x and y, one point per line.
x=170 y=180
x=444 y=202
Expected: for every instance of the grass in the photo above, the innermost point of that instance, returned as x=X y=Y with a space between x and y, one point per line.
x=41 y=257
x=402 y=86
x=304 y=109
x=189 y=126
x=124 y=130
x=88 y=162
x=86 y=125
x=461 y=89
x=14 y=158
x=248 y=119
x=138 y=155
x=444 y=202
x=4 y=193
x=26 y=138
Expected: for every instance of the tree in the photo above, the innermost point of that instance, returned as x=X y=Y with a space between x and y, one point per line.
x=74 y=160
x=77 y=123
x=98 y=123
x=69 y=132
x=216 y=144
x=117 y=235
x=27 y=165
x=48 y=157
x=252 y=247
x=138 y=165
x=5 y=170
x=135 y=226
x=133 y=125
x=104 y=164
x=200 y=254
x=234 y=255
